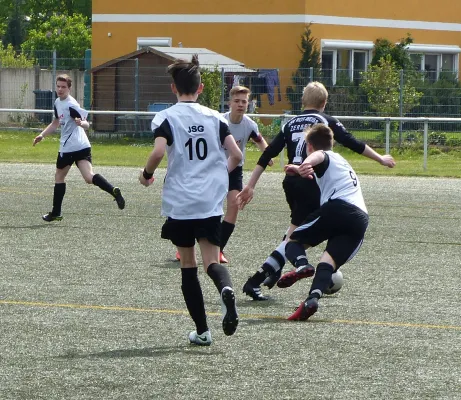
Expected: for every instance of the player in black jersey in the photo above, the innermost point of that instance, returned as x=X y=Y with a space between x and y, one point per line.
x=302 y=195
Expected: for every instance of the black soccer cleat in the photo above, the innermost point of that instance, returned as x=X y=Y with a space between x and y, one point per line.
x=118 y=198
x=50 y=217
x=272 y=279
x=229 y=310
x=254 y=292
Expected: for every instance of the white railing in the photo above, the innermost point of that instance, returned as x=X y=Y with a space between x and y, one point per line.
x=387 y=120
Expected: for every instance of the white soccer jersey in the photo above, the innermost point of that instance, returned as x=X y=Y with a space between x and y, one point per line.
x=73 y=137
x=197 y=179
x=337 y=180
x=242 y=132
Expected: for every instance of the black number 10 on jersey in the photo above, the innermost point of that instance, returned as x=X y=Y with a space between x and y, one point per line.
x=200 y=149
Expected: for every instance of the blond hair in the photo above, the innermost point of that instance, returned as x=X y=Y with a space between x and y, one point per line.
x=314 y=95
x=239 y=90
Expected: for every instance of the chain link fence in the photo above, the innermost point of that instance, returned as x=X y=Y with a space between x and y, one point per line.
x=136 y=85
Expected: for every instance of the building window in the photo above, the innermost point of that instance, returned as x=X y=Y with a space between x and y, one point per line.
x=431 y=60
x=345 y=59
x=328 y=67
x=360 y=62
x=448 y=62
x=143 y=42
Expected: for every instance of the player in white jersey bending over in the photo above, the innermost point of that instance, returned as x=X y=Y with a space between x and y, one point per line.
x=194 y=190
x=243 y=129
x=302 y=195
x=74 y=147
x=341 y=220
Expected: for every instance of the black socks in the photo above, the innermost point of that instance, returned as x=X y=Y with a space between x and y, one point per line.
x=226 y=231
x=193 y=297
x=102 y=183
x=296 y=254
x=220 y=276
x=321 y=280
x=58 y=197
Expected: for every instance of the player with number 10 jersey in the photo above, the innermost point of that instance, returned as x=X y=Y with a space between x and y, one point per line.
x=197 y=163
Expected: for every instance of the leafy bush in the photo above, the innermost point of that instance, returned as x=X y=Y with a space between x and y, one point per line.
x=437 y=138
x=212 y=88
x=10 y=59
x=453 y=142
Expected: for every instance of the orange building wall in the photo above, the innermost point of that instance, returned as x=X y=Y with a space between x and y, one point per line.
x=199 y=7
x=266 y=45
x=413 y=10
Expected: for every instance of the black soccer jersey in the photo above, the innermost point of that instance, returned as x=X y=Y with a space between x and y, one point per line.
x=292 y=136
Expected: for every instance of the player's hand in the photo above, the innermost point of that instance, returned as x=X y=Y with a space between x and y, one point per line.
x=291 y=169
x=270 y=163
x=388 y=161
x=78 y=121
x=306 y=171
x=37 y=139
x=244 y=197
x=144 y=181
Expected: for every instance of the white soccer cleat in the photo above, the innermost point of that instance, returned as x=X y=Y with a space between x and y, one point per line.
x=202 y=340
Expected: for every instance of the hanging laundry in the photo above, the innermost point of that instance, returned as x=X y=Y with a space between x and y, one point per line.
x=271 y=77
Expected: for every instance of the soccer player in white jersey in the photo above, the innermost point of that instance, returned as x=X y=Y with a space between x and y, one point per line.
x=302 y=195
x=341 y=220
x=242 y=128
x=74 y=147
x=194 y=190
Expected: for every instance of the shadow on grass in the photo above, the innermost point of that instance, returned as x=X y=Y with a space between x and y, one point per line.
x=144 y=352
x=38 y=226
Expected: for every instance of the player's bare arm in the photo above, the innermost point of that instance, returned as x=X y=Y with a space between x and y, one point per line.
x=306 y=168
x=235 y=154
x=47 y=131
x=83 y=123
x=154 y=160
x=246 y=195
x=387 y=160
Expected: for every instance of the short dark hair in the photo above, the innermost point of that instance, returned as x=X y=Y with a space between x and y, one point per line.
x=186 y=75
x=320 y=137
x=65 y=78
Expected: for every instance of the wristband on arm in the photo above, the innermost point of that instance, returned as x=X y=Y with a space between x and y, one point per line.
x=147 y=175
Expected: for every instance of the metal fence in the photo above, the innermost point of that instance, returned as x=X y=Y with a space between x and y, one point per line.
x=134 y=85
x=137 y=124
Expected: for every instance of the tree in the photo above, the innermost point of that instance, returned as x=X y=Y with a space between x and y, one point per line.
x=70 y=36
x=10 y=59
x=397 y=52
x=18 y=17
x=38 y=11
x=212 y=91
x=14 y=28
x=381 y=83
x=308 y=68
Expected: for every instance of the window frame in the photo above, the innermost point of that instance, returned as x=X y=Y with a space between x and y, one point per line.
x=352 y=46
x=424 y=50
x=143 y=42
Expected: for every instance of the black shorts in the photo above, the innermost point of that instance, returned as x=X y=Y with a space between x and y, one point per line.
x=342 y=224
x=236 y=179
x=65 y=159
x=303 y=197
x=184 y=232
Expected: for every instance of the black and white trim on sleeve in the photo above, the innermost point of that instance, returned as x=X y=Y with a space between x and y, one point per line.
x=164 y=130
